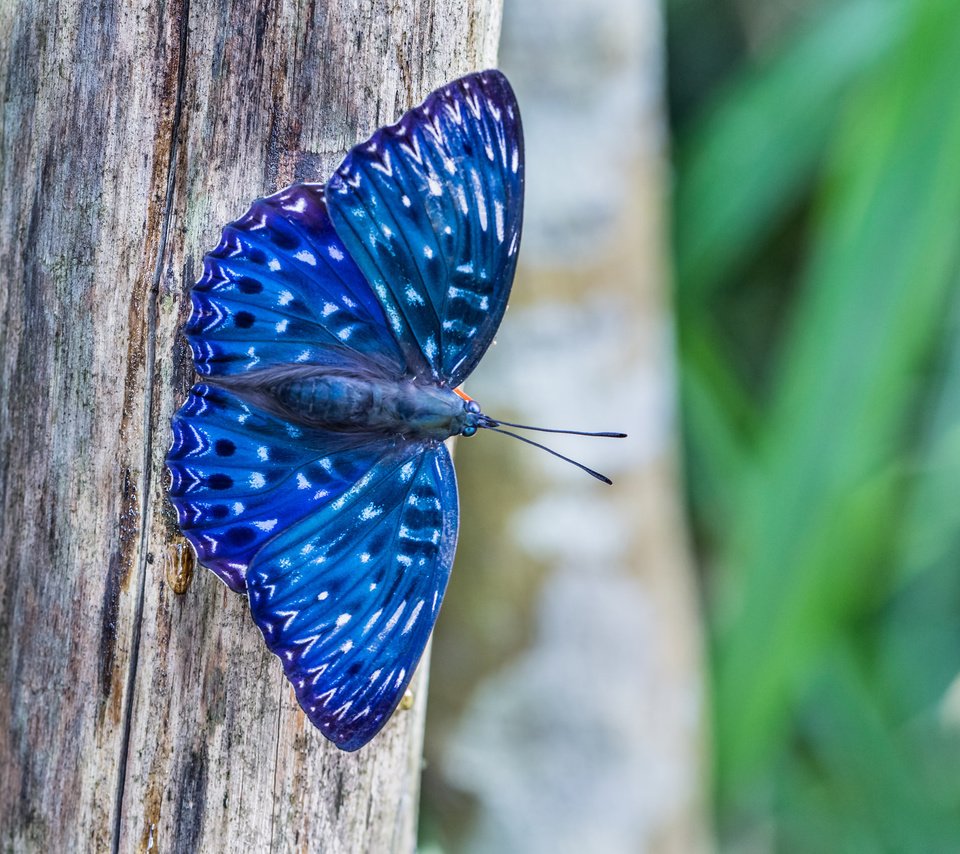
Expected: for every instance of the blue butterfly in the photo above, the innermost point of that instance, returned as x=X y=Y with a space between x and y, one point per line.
x=330 y=328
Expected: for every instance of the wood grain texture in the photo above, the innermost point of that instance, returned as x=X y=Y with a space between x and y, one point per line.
x=140 y=708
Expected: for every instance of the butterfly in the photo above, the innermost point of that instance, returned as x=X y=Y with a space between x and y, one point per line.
x=331 y=328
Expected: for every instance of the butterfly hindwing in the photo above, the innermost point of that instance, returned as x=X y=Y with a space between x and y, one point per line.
x=430 y=208
x=281 y=287
x=348 y=596
x=240 y=476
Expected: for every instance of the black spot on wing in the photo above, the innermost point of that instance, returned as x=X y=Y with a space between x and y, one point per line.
x=220 y=481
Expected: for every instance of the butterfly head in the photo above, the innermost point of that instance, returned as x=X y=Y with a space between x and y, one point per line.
x=473 y=418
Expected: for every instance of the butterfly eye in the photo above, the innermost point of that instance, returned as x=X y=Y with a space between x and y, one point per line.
x=469 y=430
x=474 y=407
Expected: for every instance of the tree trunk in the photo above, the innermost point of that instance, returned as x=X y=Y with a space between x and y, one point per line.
x=139 y=706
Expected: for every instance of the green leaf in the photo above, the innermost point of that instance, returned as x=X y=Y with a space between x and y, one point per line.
x=813 y=524
x=746 y=163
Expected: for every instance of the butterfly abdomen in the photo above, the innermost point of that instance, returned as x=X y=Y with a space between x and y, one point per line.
x=332 y=401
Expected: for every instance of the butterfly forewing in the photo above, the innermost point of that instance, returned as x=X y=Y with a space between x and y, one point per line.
x=280 y=287
x=348 y=596
x=430 y=209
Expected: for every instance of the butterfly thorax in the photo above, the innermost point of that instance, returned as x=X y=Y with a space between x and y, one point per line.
x=348 y=401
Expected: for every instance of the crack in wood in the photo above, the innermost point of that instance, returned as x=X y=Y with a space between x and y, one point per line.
x=190 y=802
x=148 y=435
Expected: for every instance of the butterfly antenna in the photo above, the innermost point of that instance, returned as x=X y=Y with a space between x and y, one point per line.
x=497 y=421
x=581 y=466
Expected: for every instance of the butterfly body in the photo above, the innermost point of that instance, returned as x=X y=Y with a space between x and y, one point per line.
x=358 y=400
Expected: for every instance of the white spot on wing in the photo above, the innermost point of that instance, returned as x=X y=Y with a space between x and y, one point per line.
x=385 y=166
x=394 y=619
x=479 y=198
x=372 y=621
x=498 y=219
x=413 y=617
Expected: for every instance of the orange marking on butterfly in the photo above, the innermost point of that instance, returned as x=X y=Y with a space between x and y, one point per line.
x=462 y=394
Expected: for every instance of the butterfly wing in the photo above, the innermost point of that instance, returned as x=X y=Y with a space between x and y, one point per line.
x=239 y=476
x=281 y=287
x=348 y=596
x=403 y=262
x=430 y=209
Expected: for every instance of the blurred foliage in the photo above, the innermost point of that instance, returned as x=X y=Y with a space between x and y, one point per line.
x=817 y=239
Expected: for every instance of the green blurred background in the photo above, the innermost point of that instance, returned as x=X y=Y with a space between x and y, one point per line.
x=816 y=238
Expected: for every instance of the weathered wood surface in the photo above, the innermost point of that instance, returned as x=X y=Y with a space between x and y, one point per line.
x=138 y=706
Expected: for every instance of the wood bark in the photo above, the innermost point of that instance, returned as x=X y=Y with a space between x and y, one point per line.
x=139 y=708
